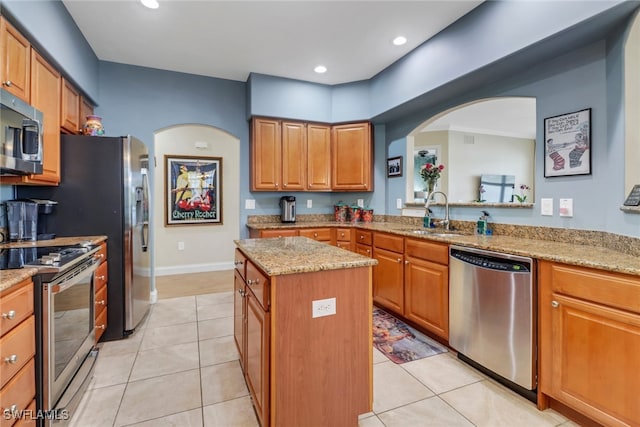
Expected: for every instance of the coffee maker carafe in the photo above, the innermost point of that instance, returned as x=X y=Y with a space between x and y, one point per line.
x=287 y=209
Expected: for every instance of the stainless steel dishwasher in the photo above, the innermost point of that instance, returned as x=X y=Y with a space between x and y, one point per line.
x=492 y=321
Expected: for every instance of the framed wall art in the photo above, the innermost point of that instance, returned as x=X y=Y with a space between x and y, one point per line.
x=394 y=167
x=193 y=190
x=567 y=144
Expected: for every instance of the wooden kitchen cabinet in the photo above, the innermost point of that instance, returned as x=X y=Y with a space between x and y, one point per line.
x=266 y=155
x=86 y=109
x=318 y=157
x=15 y=55
x=426 y=276
x=363 y=242
x=388 y=275
x=294 y=154
x=69 y=107
x=590 y=341
x=278 y=233
x=17 y=350
x=352 y=157
x=319 y=234
x=100 y=280
x=343 y=239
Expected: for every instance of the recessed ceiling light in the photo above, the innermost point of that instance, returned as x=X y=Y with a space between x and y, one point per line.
x=399 y=41
x=151 y=4
x=320 y=69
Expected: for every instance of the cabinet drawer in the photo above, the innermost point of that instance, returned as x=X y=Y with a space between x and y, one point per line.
x=388 y=242
x=612 y=289
x=16 y=348
x=363 y=250
x=19 y=391
x=100 y=277
x=102 y=252
x=101 y=323
x=101 y=299
x=16 y=306
x=428 y=251
x=259 y=284
x=319 y=234
x=364 y=237
x=344 y=245
x=239 y=263
x=343 y=234
x=278 y=233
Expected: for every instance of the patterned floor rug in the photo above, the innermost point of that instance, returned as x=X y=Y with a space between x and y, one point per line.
x=400 y=342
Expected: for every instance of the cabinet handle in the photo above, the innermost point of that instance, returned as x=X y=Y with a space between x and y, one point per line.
x=101 y=302
x=11 y=359
x=100 y=326
x=102 y=277
x=284 y=185
x=7 y=83
x=315 y=234
x=406 y=262
x=10 y=315
x=242 y=293
x=555 y=304
x=237 y=262
x=10 y=411
x=368 y=251
x=253 y=282
x=276 y=185
x=399 y=259
x=361 y=237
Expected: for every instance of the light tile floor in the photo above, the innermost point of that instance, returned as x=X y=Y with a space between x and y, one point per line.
x=180 y=368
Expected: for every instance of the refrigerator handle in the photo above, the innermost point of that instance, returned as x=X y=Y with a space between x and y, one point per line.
x=143 y=236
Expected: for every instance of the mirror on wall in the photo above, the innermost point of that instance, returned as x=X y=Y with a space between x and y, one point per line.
x=491 y=139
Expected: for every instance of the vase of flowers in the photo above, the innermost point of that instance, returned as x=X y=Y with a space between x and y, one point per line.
x=430 y=173
x=522 y=197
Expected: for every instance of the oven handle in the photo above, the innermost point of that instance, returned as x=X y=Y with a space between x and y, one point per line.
x=90 y=268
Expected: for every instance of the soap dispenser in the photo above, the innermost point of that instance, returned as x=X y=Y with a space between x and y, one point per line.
x=426 y=221
x=481 y=225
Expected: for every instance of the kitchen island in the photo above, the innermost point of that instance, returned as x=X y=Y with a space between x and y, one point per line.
x=302 y=325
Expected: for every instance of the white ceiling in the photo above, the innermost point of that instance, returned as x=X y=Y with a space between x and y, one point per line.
x=230 y=39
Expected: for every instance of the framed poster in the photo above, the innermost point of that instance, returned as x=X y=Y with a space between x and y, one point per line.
x=394 y=167
x=193 y=190
x=567 y=144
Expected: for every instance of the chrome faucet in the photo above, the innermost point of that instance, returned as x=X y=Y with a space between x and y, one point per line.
x=445 y=221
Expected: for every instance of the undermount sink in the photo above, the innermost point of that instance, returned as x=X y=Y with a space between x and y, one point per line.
x=438 y=233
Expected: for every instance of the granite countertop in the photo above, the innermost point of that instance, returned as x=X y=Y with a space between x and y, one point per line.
x=586 y=255
x=9 y=278
x=289 y=255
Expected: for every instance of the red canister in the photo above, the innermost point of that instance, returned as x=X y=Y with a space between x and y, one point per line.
x=340 y=212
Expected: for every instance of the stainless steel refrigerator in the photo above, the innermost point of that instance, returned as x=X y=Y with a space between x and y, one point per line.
x=104 y=190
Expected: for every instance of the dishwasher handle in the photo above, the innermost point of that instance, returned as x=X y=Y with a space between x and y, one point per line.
x=491 y=262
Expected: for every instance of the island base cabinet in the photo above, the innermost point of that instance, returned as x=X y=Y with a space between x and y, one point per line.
x=321 y=366
x=590 y=341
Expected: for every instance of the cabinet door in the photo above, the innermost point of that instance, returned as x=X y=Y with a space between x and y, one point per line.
x=86 y=109
x=594 y=364
x=69 y=108
x=318 y=157
x=239 y=315
x=427 y=295
x=257 y=357
x=351 y=157
x=266 y=155
x=388 y=280
x=45 y=96
x=15 y=59
x=294 y=153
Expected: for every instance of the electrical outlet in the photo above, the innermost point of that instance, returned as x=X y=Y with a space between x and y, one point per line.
x=399 y=203
x=361 y=203
x=249 y=204
x=181 y=246
x=309 y=204
x=566 y=207
x=323 y=307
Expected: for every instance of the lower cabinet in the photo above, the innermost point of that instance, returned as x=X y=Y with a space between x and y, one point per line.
x=343 y=239
x=388 y=275
x=256 y=364
x=319 y=234
x=590 y=341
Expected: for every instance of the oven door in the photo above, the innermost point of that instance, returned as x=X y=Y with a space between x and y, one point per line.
x=68 y=335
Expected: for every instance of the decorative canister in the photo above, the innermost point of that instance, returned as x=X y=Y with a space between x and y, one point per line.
x=93 y=126
x=354 y=213
x=340 y=212
x=367 y=214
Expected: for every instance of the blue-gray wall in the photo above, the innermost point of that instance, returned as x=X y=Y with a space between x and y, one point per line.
x=567 y=54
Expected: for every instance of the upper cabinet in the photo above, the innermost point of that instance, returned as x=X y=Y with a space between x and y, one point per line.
x=352 y=157
x=69 y=107
x=15 y=53
x=299 y=156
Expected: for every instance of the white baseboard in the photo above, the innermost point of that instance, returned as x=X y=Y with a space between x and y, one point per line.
x=192 y=268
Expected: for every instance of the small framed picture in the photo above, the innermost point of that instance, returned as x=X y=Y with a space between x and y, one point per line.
x=567 y=144
x=394 y=167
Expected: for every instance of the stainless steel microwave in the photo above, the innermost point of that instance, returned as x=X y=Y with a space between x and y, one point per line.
x=21 y=136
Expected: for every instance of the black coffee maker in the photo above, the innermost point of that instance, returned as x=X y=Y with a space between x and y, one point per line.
x=45 y=207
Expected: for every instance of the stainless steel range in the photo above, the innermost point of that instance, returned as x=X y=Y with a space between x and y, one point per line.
x=65 y=331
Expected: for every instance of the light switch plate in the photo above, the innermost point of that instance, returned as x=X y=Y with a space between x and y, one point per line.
x=323 y=307
x=249 y=204
x=309 y=203
x=546 y=207
x=566 y=207
x=399 y=203
x=361 y=203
